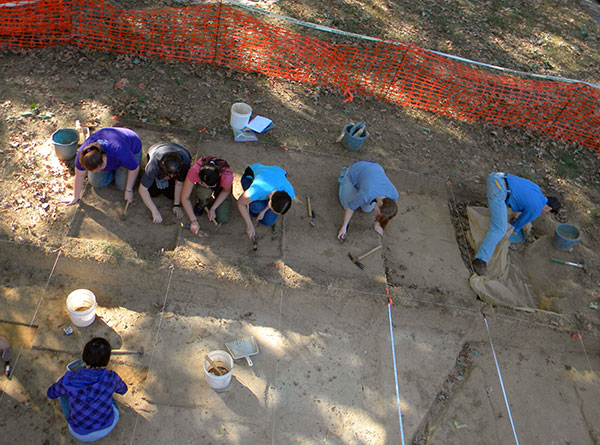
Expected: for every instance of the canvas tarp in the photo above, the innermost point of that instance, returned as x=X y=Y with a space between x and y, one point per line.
x=505 y=284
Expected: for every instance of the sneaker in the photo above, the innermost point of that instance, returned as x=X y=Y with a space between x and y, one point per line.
x=479 y=266
x=198 y=209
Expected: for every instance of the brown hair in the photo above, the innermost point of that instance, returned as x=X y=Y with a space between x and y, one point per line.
x=387 y=211
x=90 y=157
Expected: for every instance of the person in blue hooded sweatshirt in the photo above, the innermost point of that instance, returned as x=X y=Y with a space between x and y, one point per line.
x=86 y=395
x=521 y=195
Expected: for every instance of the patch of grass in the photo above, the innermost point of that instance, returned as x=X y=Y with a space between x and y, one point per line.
x=567 y=165
x=114 y=253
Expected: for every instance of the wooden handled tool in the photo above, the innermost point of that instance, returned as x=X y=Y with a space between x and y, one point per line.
x=124 y=214
x=213 y=365
x=214 y=221
x=356 y=260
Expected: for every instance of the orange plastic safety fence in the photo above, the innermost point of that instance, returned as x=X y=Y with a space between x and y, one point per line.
x=227 y=36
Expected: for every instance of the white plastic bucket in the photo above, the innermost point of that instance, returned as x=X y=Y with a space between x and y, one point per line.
x=240 y=115
x=220 y=358
x=81 y=304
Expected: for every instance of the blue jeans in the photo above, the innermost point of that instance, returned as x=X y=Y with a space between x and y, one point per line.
x=95 y=435
x=256 y=207
x=348 y=191
x=101 y=179
x=496 y=196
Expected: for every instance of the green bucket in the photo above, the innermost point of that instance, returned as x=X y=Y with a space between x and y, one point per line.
x=65 y=143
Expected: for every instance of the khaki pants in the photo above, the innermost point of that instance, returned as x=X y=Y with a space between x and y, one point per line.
x=206 y=198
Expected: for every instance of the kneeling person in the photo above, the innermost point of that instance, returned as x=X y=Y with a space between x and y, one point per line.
x=86 y=395
x=365 y=185
x=267 y=194
x=167 y=167
x=215 y=178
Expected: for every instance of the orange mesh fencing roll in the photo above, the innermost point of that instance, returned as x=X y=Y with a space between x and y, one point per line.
x=397 y=72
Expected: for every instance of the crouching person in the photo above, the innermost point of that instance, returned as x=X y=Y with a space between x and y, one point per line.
x=86 y=395
x=267 y=194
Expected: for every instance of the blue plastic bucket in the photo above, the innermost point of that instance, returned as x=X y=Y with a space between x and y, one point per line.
x=353 y=142
x=565 y=236
x=65 y=143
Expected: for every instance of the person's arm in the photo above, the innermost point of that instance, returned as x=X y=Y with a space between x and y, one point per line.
x=131 y=175
x=4 y=343
x=120 y=385
x=57 y=390
x=347 y=216
x=156 y=216
x=77 y=187
x=243 y=203
x=177 y=210
x=222 y=196
x=377 y=227
x=524 y=217
x=187 y=205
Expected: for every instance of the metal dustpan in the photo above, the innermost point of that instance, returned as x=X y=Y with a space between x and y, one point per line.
x=243 y=348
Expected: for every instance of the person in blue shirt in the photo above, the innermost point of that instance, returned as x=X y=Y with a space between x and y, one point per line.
x=267 y=194
x=86 y=395
x=365 y=185
x=109 y=154
x=521 y=195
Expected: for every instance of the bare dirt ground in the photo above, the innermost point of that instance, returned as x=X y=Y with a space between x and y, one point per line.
x=325 y=372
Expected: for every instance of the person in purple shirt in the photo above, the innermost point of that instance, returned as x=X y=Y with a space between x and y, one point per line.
x=86 y=395
x=364 y=185
x=109 y=154
x=521 y=195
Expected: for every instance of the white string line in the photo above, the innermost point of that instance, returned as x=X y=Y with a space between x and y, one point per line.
x=329 y=30
x=501 y=382
x=277 y=365
x=393 y=343
x=589 y=363
x=160 y=319
x=12 y=371
x=395 y=370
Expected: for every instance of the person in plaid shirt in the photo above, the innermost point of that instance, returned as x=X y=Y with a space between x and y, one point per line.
x=86 y=395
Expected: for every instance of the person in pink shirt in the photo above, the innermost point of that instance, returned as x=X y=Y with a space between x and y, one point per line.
x=214 y=178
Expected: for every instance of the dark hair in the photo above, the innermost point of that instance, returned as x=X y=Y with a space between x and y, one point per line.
x=171 y=163
x=209 y=174
x=281 y=202
x=387 y=211
x=554 y=204
x=96 y=352
x=90 y=157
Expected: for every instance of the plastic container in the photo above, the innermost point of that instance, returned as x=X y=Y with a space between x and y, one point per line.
x=240 y=115
x=81 y=304
x=220 y=358
x=66 y=141
x=353 y=142
x=565 y=235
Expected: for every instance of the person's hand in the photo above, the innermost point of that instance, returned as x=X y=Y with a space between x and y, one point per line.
x=250 y=231
x=156 y=217
x=377 y=227
x=195 y=227
x=211 y=214
x=178 y=212
x=129 y=196
x=68 y=200
x=342 y=233
x=261 y=215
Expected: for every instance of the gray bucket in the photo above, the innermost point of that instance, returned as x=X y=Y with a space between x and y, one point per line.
x=565 y=236
x=65 y=143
